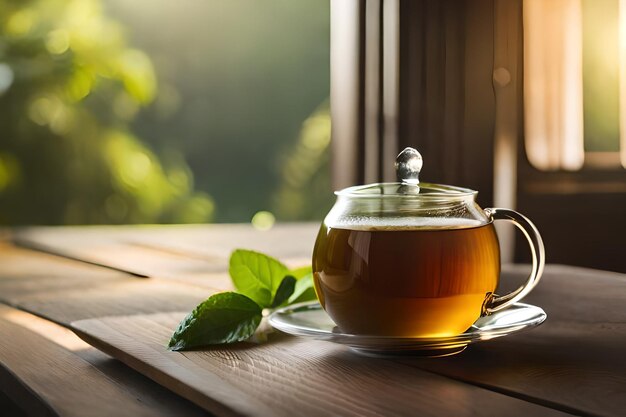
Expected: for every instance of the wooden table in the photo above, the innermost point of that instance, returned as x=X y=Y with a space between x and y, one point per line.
x=124 y=289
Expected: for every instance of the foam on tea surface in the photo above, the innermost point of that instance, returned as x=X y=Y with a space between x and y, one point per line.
x=404 y=223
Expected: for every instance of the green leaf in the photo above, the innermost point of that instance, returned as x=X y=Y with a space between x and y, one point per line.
x=256 y=275
x=301 y=272
x=247 y=283
x=223 y=318
x=284 y=291
x=304 y=290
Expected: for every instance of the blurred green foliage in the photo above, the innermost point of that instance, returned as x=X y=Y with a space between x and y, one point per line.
x=69 y=87
x=237 y=78
x=303 y=192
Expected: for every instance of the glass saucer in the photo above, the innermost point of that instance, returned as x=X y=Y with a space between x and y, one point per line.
x=310 y=320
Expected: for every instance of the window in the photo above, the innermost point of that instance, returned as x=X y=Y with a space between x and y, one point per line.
x=575 y=83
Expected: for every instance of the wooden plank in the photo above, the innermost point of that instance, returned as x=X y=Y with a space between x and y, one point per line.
x=575 y=359
x=140 y=386
x=123 y=298
x=26 y=272
x=43 y=373
x=64 y=290
x=170 y=251
x=291 y=242
x=17 y=262
x=290 y=376
x=22 y=400
x=112 y=251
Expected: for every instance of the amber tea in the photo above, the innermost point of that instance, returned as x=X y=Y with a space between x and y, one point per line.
x=403 y=281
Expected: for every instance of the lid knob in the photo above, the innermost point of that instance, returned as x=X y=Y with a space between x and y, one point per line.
x=408 y=166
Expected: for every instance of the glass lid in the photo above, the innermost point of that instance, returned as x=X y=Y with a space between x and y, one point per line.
x=408 y=166
x=399 y=189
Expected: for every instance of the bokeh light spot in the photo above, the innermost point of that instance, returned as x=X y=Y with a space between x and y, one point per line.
x=79 y=85
x=136 y=169
x=20 y=23
x=138 y=75
x=263 y=220
x=43 y=110
x=6 y=78
x=58 y=41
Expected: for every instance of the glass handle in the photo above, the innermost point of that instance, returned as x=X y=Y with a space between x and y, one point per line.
x=497 y=302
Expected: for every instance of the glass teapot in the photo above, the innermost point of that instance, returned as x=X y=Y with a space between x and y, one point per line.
x=411 y=259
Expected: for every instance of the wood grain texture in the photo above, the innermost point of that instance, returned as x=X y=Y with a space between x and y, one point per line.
x=23 y=401
x=290 y=376
x=140 y=386
x=43 y=372
x=26 y=273
x=115 y=299
x=63 y=290
x=574 y=360
x=113 y=251
x=171 y=251
x=17 y=263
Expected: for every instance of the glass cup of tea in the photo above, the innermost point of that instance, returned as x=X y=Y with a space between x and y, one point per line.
x=411 y=259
